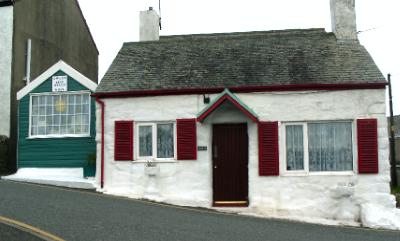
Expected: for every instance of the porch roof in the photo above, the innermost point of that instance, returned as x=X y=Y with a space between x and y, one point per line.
x=226 y=95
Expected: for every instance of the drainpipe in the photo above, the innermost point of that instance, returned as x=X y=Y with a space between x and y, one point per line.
x=102 y=105
x=392 y=144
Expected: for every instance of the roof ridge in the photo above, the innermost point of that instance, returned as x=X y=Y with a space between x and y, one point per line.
x=201 y=36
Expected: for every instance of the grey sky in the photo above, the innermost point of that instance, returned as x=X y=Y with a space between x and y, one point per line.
x=115 y=22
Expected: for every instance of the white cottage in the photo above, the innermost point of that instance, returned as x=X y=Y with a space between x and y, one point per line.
x=287 y=122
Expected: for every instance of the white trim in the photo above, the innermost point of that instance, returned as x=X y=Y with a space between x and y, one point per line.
x=57 y=136
x=60 y=65
x=154 y=157
x=156 y=161
x=306 y=171
x=81 y=92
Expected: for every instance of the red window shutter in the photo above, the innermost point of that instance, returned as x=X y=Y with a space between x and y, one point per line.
x=268 y=150
x=367 y=137
x=123 y=141
x=186 y=139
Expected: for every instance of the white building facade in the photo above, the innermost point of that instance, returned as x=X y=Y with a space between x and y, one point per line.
x=337 y=194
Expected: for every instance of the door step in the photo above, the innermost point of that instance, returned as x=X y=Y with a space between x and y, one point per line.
x=231 y=203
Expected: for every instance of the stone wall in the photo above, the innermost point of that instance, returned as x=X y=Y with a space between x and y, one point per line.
x=333 y=196
x=6 y=33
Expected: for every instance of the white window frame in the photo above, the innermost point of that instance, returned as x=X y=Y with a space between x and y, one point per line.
x=154 y=142
x=306 y=171
x=30 y=136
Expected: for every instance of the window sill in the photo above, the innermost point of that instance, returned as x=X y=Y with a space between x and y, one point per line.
x=155 y=161
x=303 y=174
x=57 y=136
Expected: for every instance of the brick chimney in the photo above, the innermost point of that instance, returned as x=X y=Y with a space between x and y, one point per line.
x=149 y=25
x=343 y=19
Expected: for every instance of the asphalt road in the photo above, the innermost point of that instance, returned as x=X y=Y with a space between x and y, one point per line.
x=9 y=233
x=76 y=215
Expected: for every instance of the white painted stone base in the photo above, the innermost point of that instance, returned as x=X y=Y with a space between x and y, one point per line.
x=65 y=177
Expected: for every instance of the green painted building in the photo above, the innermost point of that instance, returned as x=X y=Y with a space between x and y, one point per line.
x=56 y=122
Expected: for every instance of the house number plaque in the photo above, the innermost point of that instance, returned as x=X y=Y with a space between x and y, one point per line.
x=202 y=148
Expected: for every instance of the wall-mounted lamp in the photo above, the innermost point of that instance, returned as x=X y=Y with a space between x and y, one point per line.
x=206 y=99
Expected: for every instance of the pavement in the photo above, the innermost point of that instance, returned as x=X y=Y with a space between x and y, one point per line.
x=85 y=215
x=63 y=177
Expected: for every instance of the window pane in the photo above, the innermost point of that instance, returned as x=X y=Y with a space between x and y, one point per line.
x=49 y=100
x=35 y=110
x=330 y=146
x=78 y=99
x=49 y=120
x=78 y=109
x=42 y=110
x=42 y=100
x=41 y=130
x=145 y=141
x=85 y=108
x=35 y=105
x=85 y=119
x=55 y=130
x=85 y=129
x=70 y=119
x=35 y=100
x=56 y=120
x=34 y=121
x=78 y=119
x=63 y=120
x=63 y=130
x=78 y=129
x=294 y=147
x=60 y=104
x=70 y=109
x=85 y=99
x=71 y=99
x=42 y=120
x=34 y=130
x=165 y=140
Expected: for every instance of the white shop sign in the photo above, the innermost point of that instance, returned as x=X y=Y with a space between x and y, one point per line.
x=59 y=83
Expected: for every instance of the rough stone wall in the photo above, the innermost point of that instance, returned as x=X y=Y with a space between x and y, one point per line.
x=6 y=34
x=334 y=196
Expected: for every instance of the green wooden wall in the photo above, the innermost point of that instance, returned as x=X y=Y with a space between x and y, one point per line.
x=53 y=152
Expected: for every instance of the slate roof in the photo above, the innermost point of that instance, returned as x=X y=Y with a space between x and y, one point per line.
x=270 y=58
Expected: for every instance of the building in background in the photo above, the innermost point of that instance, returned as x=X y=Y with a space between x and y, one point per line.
x=34 y=35
x=56 y=122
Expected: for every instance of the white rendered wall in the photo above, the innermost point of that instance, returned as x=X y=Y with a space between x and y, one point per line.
x=334 y=197
x=6 y=36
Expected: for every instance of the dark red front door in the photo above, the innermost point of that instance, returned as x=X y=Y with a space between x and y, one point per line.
x=230 y=160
